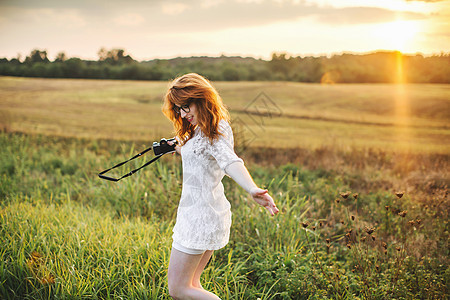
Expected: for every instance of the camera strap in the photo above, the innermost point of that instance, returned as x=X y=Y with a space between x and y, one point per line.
x=124 y=162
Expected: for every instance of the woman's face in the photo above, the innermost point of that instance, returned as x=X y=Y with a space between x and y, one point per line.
x=191 y=114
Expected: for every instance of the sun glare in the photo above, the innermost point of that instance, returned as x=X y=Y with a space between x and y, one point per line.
x=397 y=35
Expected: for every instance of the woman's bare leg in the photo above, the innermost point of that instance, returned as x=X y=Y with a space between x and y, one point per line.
x=201 y=266
x=182 y=268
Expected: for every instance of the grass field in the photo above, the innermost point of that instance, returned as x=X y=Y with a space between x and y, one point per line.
x=405 y=117
x=66 y=234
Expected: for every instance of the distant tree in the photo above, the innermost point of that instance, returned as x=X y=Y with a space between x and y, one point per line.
x=377 y=67
x=114 y=56
x=102 y=54
x=74 y=68
x=310 y=69
x=37 y=56
x=155 y=73
x=55 y=70
x=230 y=73
x=60 y=57
x=5 y=67
x=15 y=61
x=279 y=63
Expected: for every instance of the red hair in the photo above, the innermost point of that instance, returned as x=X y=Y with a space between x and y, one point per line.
x=194 y=88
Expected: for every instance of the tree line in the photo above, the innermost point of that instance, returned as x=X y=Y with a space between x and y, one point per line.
x=377 y=67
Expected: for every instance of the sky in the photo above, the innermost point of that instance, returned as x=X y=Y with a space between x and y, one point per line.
x=149 y=29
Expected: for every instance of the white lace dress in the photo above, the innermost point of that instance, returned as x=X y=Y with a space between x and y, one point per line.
x=204 y=215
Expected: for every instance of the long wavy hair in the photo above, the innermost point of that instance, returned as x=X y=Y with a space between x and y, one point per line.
x=194 y=88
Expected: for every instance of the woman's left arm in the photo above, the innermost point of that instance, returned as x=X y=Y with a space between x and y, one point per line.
x=177 y=147
x=240 y=174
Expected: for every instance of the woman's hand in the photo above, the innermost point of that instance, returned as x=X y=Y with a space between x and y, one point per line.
x=263 y=198
x=177 y=148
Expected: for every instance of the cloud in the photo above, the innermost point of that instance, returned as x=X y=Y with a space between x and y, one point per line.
x=362 y=15
x=42 y=17
x=232 y=14
x=197 y=17
x=174 y=9
x=129 y=19
x=424 y=0
x=203 y=15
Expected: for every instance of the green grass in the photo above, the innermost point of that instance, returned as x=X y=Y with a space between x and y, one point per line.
x=104 y=240
x=66 y=234
x=90 y=254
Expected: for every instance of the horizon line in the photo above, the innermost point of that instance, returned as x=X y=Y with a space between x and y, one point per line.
x=231 y=55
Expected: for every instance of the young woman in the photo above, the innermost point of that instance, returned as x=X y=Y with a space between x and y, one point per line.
x=205 y=142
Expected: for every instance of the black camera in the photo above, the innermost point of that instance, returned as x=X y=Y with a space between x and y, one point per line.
x=163 y=147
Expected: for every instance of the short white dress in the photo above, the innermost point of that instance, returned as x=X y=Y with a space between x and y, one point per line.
x=204 y=215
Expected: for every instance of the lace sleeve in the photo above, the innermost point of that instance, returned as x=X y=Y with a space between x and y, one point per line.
x=223 y=148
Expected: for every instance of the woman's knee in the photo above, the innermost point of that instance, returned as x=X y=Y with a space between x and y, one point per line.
x=176 y=289
x=177 y=292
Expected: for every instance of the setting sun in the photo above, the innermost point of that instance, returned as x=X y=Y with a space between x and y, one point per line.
x=397 y=35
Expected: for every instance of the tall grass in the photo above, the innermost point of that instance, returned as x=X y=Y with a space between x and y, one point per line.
x=82 y=253
x=67 y=234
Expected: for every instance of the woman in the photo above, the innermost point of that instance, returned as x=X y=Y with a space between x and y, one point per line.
x=205 y=142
